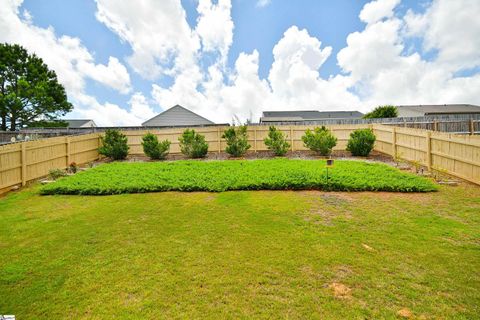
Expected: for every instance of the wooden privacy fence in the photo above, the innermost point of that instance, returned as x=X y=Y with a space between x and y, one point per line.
x=26 y=161
x=457 y=155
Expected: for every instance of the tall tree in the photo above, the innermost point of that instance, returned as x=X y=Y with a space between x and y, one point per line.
x=382 y=112
x=29 y=91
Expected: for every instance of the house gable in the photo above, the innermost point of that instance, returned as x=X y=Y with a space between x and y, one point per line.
x=177 y=116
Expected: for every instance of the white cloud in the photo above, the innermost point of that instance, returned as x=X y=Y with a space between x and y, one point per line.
x=380 y=64
x=66 y=55
x=72 y=62
x=157 y=31
x=215 y=26
x=377 y=10
x=375 y=58
x=263 y=3
x=114 y=74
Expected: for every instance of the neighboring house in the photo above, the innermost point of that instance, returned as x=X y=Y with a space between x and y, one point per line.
x=177 y=116
x=311 y=115
x=437 y=110
x=76 y=123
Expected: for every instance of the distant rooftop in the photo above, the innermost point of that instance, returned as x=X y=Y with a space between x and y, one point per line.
x=307 y=115
x=433 y=109
x=79 y=123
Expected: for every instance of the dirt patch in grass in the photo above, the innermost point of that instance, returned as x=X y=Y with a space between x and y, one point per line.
x=340 y=290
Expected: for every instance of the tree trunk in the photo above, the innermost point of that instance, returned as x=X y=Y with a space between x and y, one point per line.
x=3 y=125
x=13 y=123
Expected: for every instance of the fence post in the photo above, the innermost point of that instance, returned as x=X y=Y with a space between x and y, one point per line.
x=24 y=163
x=394 y=142
x=429 y=150
x=471 y=126
x=291 y=138
x=218 y=140
x=255 y=139
x=67 y=142
x=435 y=125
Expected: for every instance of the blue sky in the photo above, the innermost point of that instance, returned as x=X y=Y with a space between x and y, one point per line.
x=258 y=29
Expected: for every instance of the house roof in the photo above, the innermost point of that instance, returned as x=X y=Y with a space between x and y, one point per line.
x=177 y=116
x=77 y=123
x=307 y=115
x=441 y=108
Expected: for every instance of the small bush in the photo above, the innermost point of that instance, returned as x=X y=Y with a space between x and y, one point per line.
x=153 y=148
x=55 y=174
x=382 y=112
x=114 y=145
x=193 y=145
x=320 y=140
x=276 y=142
x=361 y=142
x=237 y=141
x=73 y=167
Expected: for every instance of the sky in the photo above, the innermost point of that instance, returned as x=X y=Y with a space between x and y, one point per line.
x=123 y=62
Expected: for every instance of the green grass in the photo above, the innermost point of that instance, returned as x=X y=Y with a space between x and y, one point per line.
x=278 y=174
x=242 y=254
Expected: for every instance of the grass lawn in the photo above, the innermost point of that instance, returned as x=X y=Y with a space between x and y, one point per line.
x=242 y=254
x=277 y=174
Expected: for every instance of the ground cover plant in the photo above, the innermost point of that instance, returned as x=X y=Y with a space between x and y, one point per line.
x=320 y=140
x=156 y=150
x=193 y=144
x=272 y=174
x=114 y=145
x=276 y=141
x=241 y=254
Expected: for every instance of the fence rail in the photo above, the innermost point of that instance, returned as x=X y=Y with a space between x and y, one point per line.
x=458 y=155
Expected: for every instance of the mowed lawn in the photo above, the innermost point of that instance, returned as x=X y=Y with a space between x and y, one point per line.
x=242 y=254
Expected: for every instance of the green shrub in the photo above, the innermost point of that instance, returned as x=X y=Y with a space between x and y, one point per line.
x=276 y=142
x=361 y=142
x=237 y=141
x=114 y=145
x=320 y=140
x=193 y=145
x=382 y=112
x=153 y=148
x=54 y=174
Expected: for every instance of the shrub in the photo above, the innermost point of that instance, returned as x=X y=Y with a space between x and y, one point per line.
x=237 y=143
x=361 y=142
x=193 y=145
x=320 y=140
x=276 y=142
x=153 y=148
x=54 y=174
x=73 y=167
x=114 y=145
x=382 y=112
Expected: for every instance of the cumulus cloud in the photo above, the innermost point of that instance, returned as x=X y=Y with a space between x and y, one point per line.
x=383 y=73
x=72 y=62
x=215 y=26
x=157 y=31
x=377 y=10
x=380 y=63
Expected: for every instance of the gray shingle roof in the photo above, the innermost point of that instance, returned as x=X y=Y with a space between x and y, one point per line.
x=177 y=116
x=308 y=115
x=441 y=108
